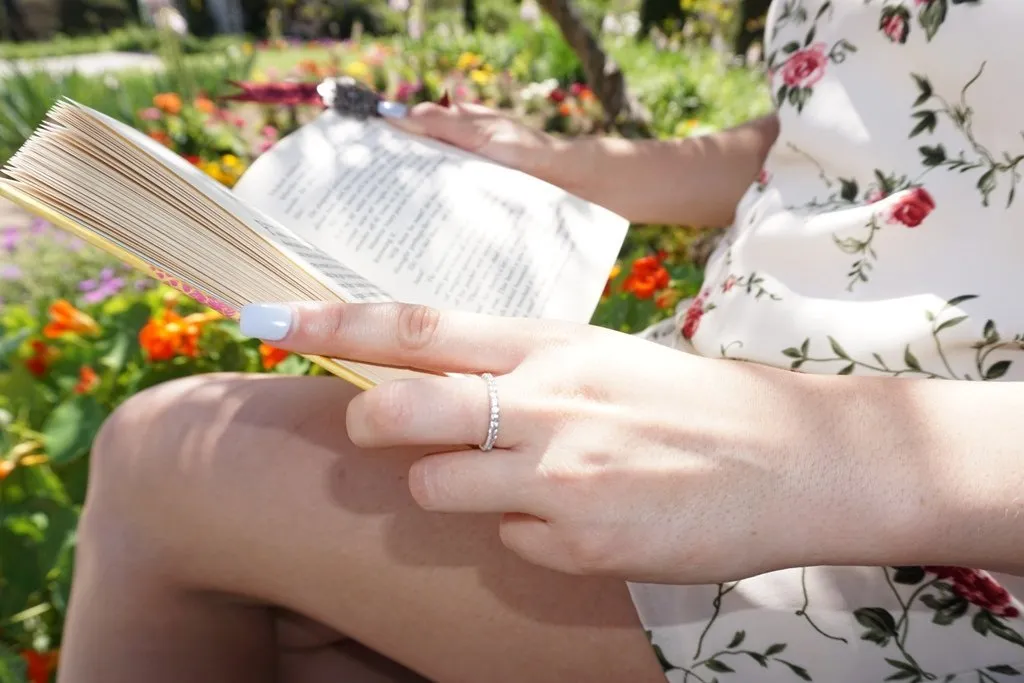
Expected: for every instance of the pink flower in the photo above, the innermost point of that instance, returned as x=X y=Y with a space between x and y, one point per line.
x=895 y=24
x=406 y=90
x=913 y=208
x=269 y=132
x=763 y=178
x=150 y=114
x=805 y=67
x=729 y=283
x=875 y=195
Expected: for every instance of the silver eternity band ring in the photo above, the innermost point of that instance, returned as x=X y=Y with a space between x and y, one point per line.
x=494 y=412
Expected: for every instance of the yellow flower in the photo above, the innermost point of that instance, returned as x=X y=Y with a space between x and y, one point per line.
x=482 y=76
x=246 y=49
x=358 y=70
x=230 y=161
x=467 y=61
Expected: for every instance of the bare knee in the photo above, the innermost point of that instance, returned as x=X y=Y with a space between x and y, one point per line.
x=138 y=479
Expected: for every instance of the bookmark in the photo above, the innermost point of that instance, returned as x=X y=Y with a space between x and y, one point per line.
x=350 y=97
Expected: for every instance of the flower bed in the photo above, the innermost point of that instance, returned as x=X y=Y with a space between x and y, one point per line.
x=79 y=333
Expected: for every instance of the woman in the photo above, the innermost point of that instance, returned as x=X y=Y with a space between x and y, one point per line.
x=748 y=521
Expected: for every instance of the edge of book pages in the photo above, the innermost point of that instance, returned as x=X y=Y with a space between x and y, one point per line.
x=61 y=221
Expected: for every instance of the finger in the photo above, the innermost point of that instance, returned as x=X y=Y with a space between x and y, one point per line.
x=447 y=124
x=401 y=335
x=432 y=411
x=498 y=481
x=536 y=541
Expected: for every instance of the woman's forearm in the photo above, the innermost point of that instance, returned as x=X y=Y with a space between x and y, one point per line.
x=935 y=473
x=697 y=181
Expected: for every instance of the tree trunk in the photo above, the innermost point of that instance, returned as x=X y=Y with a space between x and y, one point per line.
x=469 y=14
x=603 y=75
x=15 y=23
x=752 y=13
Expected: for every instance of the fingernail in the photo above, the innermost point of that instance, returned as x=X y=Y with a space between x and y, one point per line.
x=392 y=110
x=270 y=322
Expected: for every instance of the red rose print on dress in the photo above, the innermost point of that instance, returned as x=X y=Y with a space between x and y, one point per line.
x=805 y=67
x=696 y=311
x=895 y=23
x=978 y=589
x=913 y=208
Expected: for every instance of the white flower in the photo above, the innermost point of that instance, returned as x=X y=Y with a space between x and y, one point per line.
x=539 y=91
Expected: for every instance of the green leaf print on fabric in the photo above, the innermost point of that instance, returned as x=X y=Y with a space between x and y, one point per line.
x=946 y=318
x=994 y=168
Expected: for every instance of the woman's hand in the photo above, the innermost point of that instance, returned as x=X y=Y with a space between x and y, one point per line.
x=483 y=131
x=614 y=455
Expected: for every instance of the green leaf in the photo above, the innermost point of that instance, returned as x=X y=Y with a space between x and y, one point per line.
x=924 y=88
x=848 y=370
x=790 y=47
x=908 y=575
x=775 y=649
x=805 y=347
x=780 y=95
x=1004 y=669
x=903 y=671
x=957 y=300
x=12 y=667
x=849 y=189
x=792 y=352
x=911 y=360
x=987 y=182
x=71 y=427
x=984 y=622
x=951 y=322
x=810 y=37
x=837 y=349
x=998 y=369
x=8 y=345
x=718 y=667
x=931 y=156
x=990 y=332
x=931 y=17
x=926 y=121
x=798 y=670
x=737 y=640
x=879 y=623
x=951 y=612
x=757 y=657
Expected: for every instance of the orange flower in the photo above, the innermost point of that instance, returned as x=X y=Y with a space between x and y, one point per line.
x=646 y=277
x=161 y=137
x=167 y=102
x=39 y=362
x=6 y=467
x=205 y=105
x=308 y=66
x=40 y=665
x=172 y=335
x=666 y=298
x=565 y=109
x=66 y=319
x=87 y=380
x=271 y=356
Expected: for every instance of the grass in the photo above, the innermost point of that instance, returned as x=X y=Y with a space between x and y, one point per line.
x=131 y=39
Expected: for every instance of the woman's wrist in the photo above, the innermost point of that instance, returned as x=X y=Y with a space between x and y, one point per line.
x=923 y=473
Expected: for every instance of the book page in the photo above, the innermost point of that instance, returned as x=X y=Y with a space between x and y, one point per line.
x=435 y=225
x=343 y=280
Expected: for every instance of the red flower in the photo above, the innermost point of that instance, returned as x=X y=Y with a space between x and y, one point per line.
x=646 y=276
x=42 y=355
x=913 y=208
x=87 y=380
x=445 y=101
x=557 y=96
x=192 y=159
x=978 y=589
x=763 y=178
x=895 y=24
x=288 y=94
x=805 y=67
x=271 y=356
x=39 y=665
x=691 y=321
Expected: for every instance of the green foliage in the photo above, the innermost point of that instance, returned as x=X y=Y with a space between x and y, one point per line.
x=127 y=39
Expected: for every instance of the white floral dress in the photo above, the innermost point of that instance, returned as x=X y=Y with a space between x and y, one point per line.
x=883 y=238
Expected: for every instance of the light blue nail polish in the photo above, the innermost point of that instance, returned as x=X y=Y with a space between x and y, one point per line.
x=392 y=110
x=270 y=322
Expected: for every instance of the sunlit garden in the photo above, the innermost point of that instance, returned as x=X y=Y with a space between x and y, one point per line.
x=79 y=333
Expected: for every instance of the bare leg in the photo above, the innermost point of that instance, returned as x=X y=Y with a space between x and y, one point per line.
x=214 y=496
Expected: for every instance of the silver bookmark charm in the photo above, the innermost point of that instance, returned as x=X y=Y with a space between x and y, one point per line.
x=349 y=97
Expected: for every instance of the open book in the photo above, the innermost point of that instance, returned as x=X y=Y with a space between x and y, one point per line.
x=341 y=210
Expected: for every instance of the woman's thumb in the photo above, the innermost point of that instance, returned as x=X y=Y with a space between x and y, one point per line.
x=441 y=123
